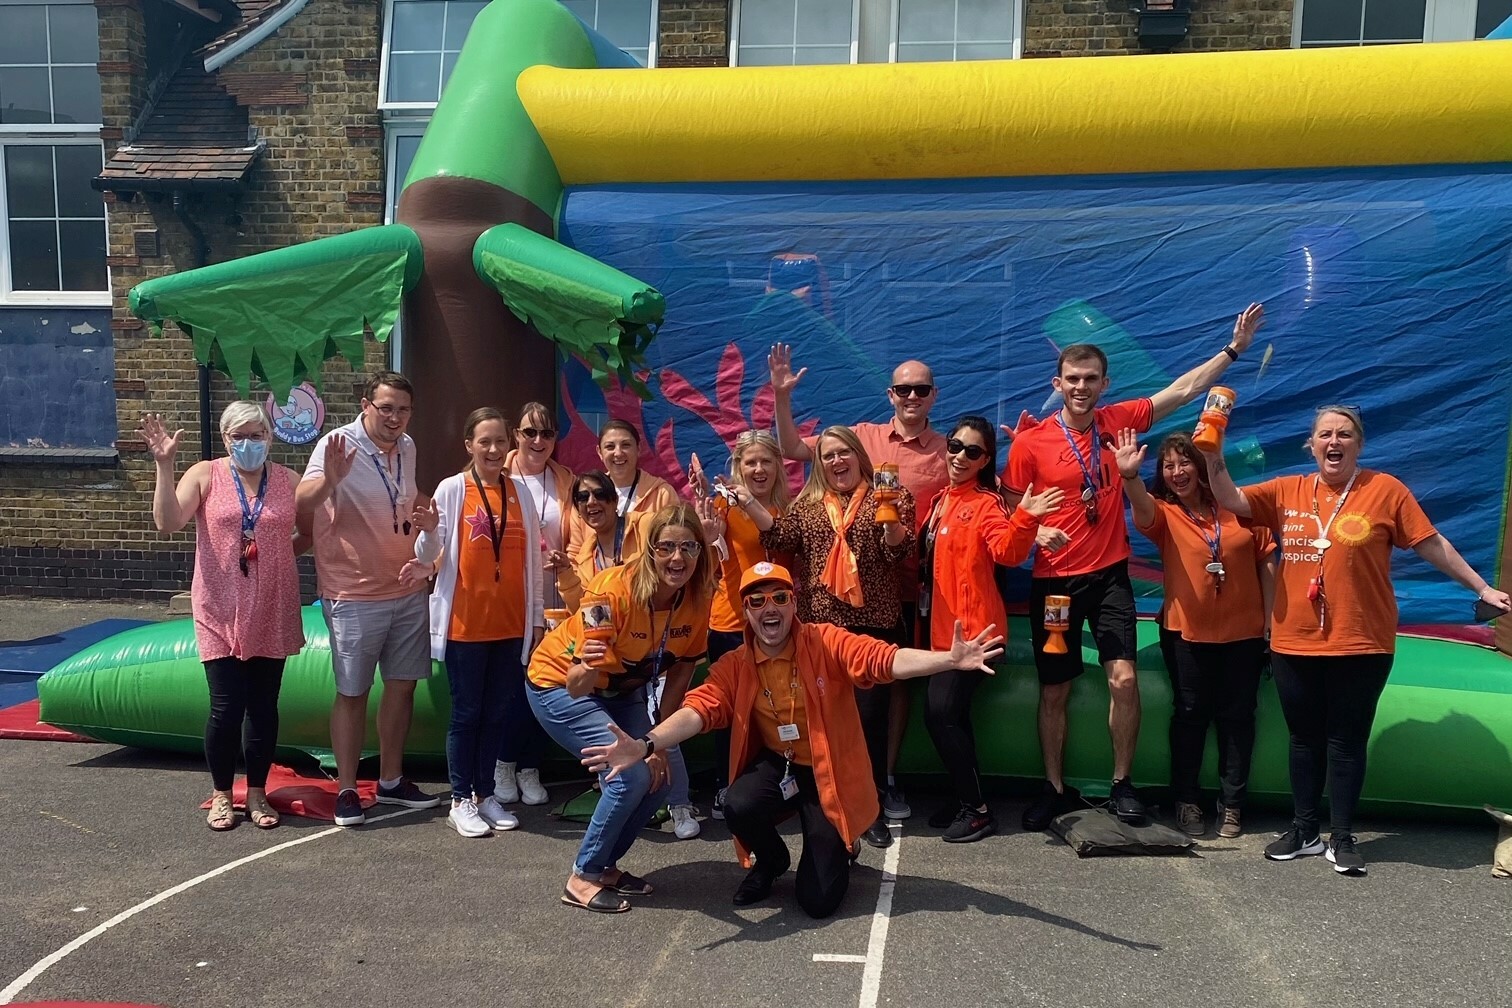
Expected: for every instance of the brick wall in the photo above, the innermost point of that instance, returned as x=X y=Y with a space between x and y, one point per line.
x=1107 y=28
x=693 y=33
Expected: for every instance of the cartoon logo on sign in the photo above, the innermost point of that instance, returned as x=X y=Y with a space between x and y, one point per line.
x=299 y=419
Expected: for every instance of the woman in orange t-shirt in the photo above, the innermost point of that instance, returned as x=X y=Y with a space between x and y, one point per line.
x=1333 y=627
x=1219 y=580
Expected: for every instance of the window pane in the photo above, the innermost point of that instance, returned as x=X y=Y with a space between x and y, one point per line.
x=77 y=164
x=417 y=25
x=1490 y=15
x=405 y=146
x=414 y=77
x=1331 y=20
x=626 y=22
x=924 y=20
x=774 y=56
x=459 y=18
x=825 y=21
x=23 y=34
x=984 y=19
x=34 y=255
x=83 y=256
x=926 y=52
x=448 y=64
x=582 y=8
x=1394 y=19
x=24 y=95
x=29 y=182
x=75 y=37
x=822 y=54
x=766 y=22
x=76 y=95
x=984 y=51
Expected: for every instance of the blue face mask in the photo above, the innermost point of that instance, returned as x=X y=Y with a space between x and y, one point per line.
x=249 y=454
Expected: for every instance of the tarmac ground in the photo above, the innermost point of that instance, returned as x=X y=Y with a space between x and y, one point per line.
x=115 y=891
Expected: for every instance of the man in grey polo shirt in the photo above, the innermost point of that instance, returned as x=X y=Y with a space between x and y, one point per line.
x=358 y=495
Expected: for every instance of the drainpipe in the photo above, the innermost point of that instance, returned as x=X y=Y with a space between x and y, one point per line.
x=201 y=258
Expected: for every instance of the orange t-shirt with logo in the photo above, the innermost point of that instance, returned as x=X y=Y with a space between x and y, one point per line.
x=1197 y=605
x=484 y=609
x=1043 y=456
x=1359 y=611
x=743 y=540
x=780 y=701
x=633 y=655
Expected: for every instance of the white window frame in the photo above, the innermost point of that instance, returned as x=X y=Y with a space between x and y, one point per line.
x=864 y=14
x=652 y=30
x=1443 y=21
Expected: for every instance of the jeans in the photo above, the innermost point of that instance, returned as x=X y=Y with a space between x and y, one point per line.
x=677 y=767
x=242 y=691
x=626 y=802
x=1330 y=704
x=478 y=673
x=1212 y=683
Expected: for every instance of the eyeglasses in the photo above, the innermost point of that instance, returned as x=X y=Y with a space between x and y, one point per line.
x=971 y=451
x=758 y=600
x=260 y=436
x=601 y=494
x=836 y=456
x=531 y=433
x=393 y=411
x=687 y=548
x=917 y=391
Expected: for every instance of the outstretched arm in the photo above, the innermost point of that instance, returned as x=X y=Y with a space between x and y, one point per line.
x=974 y=655
x=780 y=362
x=1196 y=381
x=624 y=752
x=1441 y=553
x=1221 y=483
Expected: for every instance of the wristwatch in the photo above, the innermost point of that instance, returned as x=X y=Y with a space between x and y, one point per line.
x=650 y=745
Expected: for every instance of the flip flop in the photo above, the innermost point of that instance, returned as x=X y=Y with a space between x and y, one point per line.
x=262 y=815
x=631 y=885
x=222 y=815
x=603 y=901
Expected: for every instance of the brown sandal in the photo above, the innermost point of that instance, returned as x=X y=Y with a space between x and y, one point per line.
x=261 y=814
x=222 y=815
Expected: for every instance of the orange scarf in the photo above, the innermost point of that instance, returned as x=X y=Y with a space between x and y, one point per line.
x=840 y=574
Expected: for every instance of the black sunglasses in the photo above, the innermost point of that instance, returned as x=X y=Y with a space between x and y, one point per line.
x=917 y=391
x=531 y=433
x=971 y=451
x=600 y=494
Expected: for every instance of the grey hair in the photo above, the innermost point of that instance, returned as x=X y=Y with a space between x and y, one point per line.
x=1352 y=412
x=242 y=412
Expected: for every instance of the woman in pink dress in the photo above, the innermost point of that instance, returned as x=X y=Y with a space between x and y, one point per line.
x=246 y=592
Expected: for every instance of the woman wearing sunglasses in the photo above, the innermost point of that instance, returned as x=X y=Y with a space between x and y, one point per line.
x=637 y=492
x=658 y=623
x=967 y=531
x=603 y=544
x=848 y=566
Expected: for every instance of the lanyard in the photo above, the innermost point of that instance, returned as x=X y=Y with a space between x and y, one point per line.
x=619 y=518
x=1315 y=589
x=1091 y=475
x=496 y=526
x=393 y=489
x=1215 y=544
x=249 y=514
x=931 y=529
x=766 y=691
x=540 y=521
x=661 y=649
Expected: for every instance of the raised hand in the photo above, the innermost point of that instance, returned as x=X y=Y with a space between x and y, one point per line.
x=1025 y=421
x=696 y=478
x=975 y=654
x=1045 y=503
x=426 y=516
x=709 y=516
x=780 y=363
x=621 y=754
x=1128 y=453
x=1048 y=537
x=556 y=560
x=1247 y=324
x=162 y=447
x=339 y=457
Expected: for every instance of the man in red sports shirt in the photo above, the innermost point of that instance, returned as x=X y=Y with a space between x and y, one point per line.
x=1084 y=551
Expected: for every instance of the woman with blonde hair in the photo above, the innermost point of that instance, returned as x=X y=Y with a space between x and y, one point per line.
x=847 y=568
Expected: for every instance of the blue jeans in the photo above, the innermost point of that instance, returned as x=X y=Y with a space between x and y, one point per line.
x=479 y=674
x=677 y=767
x=627 y=801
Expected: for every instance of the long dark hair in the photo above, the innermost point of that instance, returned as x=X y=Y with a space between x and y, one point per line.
x=1181 y=444
x=987 y=475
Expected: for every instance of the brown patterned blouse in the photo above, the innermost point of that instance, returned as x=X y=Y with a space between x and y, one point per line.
x=805 y=533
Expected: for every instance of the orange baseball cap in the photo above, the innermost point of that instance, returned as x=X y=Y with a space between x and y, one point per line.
x=762 y=572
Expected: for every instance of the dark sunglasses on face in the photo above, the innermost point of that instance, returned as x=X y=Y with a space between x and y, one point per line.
x=971 y=451
x=758 y=600
x=531 y=433
x=686 y=547
x=600 y=494
x=917 y=391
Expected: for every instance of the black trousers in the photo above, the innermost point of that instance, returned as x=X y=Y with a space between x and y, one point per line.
x=1212 y=683
x=753 y=807
x=947 y=715
x=242 y=691
x=1330 y=704
x=875 y=705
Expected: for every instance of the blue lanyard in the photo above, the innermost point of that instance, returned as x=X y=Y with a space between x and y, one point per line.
x=1215 y=544
x=393 y=489
x=250 y=515
x=1091 y=477
x=619 y=518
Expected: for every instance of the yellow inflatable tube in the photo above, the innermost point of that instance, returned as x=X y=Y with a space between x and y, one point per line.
x=1447 y=103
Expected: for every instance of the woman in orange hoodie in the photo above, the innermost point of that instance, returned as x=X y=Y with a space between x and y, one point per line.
x=787 y=696
x=966 y=531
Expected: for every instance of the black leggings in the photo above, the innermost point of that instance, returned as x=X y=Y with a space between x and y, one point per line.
x=1330 y=703
x=1212 y=683
x=874 y=705
x=242 y=690
x=947 y=715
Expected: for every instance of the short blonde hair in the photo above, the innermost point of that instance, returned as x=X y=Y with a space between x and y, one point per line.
x=818 y=480
x=244 y=412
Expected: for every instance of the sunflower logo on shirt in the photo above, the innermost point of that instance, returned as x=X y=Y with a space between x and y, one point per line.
x=1352 y=528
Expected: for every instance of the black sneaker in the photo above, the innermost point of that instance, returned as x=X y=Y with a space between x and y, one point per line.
x=944 y=815
x=877 y=834
x=755 y=887
x=349 y=809
x=405 y=793
x=1292 y=845
x=893 y=804
x=717 y=811
x=1051 y=803
x=970 y=825
x=1343 y=856
x=1126 y=803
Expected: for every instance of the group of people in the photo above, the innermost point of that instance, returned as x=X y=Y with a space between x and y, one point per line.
x=577 y=607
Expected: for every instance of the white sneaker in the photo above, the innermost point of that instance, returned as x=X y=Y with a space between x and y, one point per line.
x=531 y=791
x=464 y=819
x=496 y=815
x=506 y=787
x=683 y=824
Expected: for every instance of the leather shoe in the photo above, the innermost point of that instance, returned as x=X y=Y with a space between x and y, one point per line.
x=878 y=835
x=756 y=887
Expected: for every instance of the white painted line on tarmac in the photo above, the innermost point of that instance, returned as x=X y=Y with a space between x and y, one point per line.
x=838 y=957
x=876 y=948
x=25 y=980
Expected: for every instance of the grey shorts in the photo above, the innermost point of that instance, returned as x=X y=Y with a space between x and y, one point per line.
x=392 y=635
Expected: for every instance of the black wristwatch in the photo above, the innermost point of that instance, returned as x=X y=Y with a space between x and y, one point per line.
x=650 y=745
